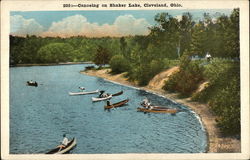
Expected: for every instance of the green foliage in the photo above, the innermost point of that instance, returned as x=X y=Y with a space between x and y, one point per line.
x=223 y=94
x=55 y=52
x=148 y=71
x=220 y=38
x=186 y=80
x=102 y=56
x=226 y=105
x=144 y=72
x=119 y=64
x=142 y=75
x=156 y=66
x=218 y=72
x=170 y=63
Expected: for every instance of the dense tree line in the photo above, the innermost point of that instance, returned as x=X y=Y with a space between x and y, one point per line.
x=33 y=49
x=170 y=40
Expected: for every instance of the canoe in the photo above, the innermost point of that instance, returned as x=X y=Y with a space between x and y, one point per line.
x=95 y=99
x=32 y=84
x=117 y=94
x=118 y=104
x=89 y=67
x=83 y=93
x=57 y=150
x=158 y=110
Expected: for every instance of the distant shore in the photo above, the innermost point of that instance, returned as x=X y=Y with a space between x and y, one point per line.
x=49 y=64
x=216 y=143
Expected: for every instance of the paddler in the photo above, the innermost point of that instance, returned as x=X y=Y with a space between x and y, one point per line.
x=64 y=143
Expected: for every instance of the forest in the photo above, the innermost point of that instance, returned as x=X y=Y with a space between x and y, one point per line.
x=171 y=42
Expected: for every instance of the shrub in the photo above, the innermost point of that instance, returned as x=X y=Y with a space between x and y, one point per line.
x=223 y=94
x=187 y=79
x=226 y=105
x=219 y=73
x=144 y=72
x=156 y=66
x=119 y=64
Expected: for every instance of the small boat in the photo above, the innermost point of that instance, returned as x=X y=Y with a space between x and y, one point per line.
x=31 y=83
x=83 y=93
x=156 y=109
x=118 y=104
x=89 y=67
x=96 y=99
x=117 y=94
x=57 y=150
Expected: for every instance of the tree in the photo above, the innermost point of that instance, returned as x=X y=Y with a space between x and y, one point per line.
x=166 y=35
x=102 y=56
x=123 y=46
x=55 y=52
x=198 y=42
x=233 y=42
x=186 y=26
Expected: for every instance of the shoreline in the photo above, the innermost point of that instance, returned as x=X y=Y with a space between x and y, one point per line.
x=215 y=142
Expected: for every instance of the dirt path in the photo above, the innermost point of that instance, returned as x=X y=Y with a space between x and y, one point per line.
x=216 y=143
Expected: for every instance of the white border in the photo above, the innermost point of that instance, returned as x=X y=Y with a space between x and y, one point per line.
x=7 y=6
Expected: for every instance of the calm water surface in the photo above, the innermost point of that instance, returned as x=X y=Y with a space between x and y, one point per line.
x=40 y=115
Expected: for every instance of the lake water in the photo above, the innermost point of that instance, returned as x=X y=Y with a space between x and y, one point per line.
x=39 y=116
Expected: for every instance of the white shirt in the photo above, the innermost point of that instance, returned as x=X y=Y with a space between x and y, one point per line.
x=65 y=141
x=145 y=101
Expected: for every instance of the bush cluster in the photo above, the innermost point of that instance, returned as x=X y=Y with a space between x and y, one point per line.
x=223 y=94
x=187 y=79
x=119 y=64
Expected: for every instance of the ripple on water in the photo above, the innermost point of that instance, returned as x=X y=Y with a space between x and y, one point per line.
x=40 y=115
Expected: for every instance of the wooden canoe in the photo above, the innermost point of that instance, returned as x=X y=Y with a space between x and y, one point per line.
x=158 y=110
x=57 y=150
x=118 y=104
x=83 y=93
x=117 y=94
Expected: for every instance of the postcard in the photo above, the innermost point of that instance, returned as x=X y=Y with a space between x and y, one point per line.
x=124 y=80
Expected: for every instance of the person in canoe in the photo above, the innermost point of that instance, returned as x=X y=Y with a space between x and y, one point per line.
x=108 y=103
x=146 y=104
x=81 y=88
x=64 y=142
x=32 y=83
x=103 y=95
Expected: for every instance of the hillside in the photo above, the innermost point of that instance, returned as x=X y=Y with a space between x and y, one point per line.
x=159 y=80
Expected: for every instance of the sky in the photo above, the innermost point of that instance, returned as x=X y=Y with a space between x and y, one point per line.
x=115 y=23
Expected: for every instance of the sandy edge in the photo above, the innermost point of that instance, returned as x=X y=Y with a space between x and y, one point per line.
x=216 y=143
